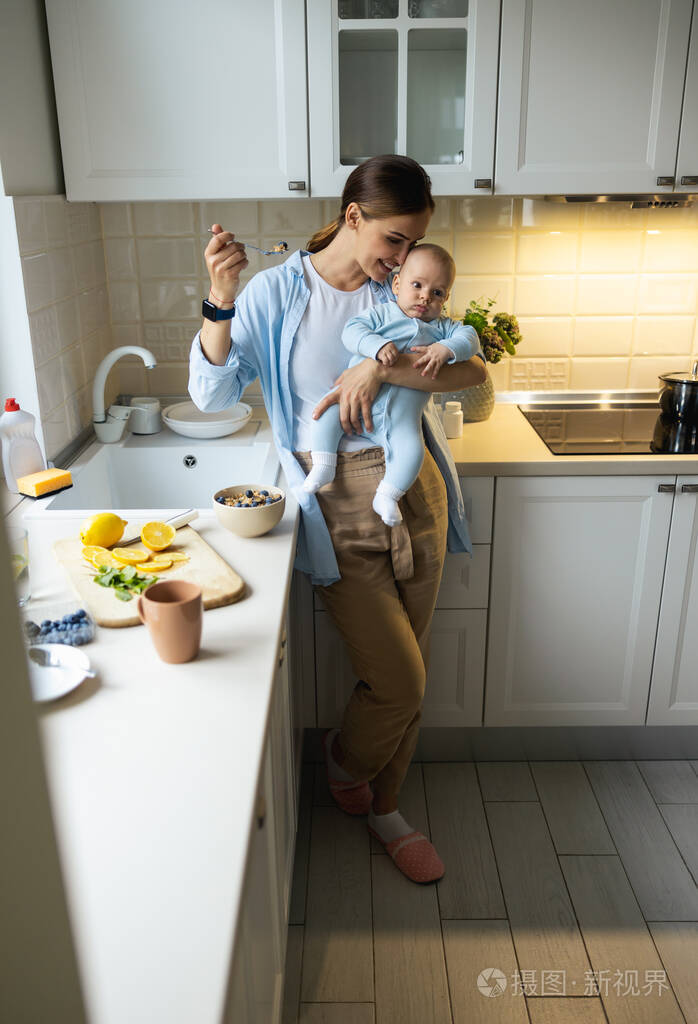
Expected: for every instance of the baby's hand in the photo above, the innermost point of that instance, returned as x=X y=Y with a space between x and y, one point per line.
x=432 y=359
x=387 y=354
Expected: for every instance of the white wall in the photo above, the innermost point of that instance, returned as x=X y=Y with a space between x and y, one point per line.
x=30 y=152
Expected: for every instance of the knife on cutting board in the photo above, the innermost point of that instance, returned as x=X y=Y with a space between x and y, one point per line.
x=179 y=520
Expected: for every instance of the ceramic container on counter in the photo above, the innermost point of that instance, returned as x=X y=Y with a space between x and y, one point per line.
x=252 y=521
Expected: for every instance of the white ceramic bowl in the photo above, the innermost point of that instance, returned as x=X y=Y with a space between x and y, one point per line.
x=251 y=521
x=185 y=419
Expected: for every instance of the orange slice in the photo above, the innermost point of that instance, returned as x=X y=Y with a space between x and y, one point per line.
x=157 y=536
x=130 y=556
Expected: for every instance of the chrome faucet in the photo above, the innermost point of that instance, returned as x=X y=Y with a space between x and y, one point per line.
x=110 y=426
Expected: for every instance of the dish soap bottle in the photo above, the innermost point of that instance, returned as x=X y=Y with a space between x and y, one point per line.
x=21 y=453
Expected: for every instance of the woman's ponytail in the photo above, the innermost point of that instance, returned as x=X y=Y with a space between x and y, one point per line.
x=324 y=236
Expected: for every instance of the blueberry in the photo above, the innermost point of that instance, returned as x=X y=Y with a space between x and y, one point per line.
x=248 y=494
x=254 y=504
x=268 y=501
x=220 y=499
x=265 y=493
x=82 y=614
x=46 y=622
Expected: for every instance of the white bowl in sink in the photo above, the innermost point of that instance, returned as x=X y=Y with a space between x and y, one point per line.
x=184 y=418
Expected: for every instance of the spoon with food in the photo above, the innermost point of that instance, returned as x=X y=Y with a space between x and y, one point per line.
x=278 y=248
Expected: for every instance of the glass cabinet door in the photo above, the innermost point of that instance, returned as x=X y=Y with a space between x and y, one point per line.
x=417 y=77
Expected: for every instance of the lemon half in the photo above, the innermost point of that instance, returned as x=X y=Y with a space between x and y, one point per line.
x=157 y=536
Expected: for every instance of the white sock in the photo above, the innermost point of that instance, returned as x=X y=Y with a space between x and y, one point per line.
x=389 y=826
x=337 y=773
x=385 y=503
x=324 y=465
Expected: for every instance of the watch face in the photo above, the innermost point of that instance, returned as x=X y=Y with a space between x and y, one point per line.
x=209 y=310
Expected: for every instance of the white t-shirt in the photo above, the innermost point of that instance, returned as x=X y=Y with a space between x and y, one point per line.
x=318 y=355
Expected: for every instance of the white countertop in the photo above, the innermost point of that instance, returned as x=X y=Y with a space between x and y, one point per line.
x=152 y=772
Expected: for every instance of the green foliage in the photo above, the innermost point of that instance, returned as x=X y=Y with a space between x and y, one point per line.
x=497 y=338
x=125 y=582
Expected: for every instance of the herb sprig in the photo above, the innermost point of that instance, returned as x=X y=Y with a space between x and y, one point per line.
x=125 y=582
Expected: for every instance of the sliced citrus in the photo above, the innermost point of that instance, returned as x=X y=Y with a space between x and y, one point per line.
x=106 y=561
x=157 y=536
x=130 y=556
x=176 y=556
x=91 y=551
x=154 y=566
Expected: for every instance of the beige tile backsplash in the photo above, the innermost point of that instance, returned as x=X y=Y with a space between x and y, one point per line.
x=606 y=296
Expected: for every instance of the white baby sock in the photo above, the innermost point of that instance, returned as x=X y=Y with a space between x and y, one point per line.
x=389 y=826
x=324 y=465
x=385 y=503
x=336 y=771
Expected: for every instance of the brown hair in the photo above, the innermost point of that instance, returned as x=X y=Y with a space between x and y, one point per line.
x=440 y=254
x=384 y=186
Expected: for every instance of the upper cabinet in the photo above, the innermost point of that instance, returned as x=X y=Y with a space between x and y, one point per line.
x=403 y=76
x=590 y=96
x=687 y=163
x=173 y=101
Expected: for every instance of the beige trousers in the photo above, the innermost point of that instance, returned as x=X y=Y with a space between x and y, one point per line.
x=383 y=607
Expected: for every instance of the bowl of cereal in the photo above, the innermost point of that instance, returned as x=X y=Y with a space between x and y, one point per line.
x=249 y=510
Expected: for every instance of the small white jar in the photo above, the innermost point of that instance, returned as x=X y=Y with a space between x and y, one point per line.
x=453 y=419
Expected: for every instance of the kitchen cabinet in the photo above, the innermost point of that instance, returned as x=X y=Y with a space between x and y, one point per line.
x=674 y=690
x=403 y=76
x=590 y=96
x=687 y=163
x=455 y=680
x=160 y=101
x=576 y=586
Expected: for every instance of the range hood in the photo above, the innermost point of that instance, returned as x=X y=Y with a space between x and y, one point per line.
x=663 y=201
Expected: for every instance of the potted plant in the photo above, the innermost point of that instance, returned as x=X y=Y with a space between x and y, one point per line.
x=498 y=337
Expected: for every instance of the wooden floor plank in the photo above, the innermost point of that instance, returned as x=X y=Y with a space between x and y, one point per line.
x=299 y=883
x=470 y=888
x=546 y=936
x=337 y=1013
x=412 y=805
x=682 y=822
x=338 y=948
x=618 y=942
x=411 y=985
x=661 y=881
x=677 y=942
x=473 y=947
x=292 y=975
x=670 y=782
x=506 y=780
x=556 y=1010
x=571 y=811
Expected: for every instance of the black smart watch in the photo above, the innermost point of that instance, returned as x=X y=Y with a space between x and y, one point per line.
x=212 y=312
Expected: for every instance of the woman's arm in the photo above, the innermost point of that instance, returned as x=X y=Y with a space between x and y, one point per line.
x=357 y=387
x=225 y=260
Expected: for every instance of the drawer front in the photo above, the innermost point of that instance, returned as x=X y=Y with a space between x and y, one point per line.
x=465 y=582
x=478 y=495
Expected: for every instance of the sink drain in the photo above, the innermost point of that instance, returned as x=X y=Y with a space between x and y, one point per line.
x=189 y=461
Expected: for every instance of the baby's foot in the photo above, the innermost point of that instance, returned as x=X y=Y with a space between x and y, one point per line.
x=385 y=503
x=324 y=466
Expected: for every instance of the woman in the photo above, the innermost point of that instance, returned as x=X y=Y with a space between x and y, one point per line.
x=378 y=583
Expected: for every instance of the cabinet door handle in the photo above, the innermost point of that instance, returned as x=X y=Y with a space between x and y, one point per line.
x=689 y=179
x=667 y=488
x=296 y=186
x=667 y=180
x=261 y=810
x=482 y=183
x=689 y=488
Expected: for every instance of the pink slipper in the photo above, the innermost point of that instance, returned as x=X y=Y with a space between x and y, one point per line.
x=415 y=856
x=351 y=797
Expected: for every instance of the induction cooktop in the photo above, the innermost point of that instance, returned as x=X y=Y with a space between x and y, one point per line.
x=607 y=424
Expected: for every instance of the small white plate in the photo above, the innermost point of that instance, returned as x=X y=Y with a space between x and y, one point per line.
x=48 y=682
x=184 y=418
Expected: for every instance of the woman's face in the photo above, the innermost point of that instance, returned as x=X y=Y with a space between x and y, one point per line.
x=381 y=245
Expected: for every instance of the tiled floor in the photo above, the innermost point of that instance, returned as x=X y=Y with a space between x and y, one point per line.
x=571 y=884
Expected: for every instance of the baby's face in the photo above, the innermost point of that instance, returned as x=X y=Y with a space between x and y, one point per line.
x=422 y=286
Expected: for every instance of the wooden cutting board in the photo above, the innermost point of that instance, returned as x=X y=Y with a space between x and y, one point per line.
x=219 y=583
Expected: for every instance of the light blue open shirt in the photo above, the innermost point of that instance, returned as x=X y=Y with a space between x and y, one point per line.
x=263 y=330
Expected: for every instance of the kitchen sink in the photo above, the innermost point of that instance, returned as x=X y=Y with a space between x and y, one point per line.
x=160 y=476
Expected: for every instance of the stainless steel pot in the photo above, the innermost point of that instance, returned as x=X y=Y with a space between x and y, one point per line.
x=678 y=399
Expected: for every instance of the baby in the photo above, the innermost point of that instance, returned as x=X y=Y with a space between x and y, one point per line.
x=412 y=323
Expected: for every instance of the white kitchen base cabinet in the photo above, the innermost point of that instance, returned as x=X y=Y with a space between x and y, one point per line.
x=674 y=691
x=576 y=586
x=178 y=101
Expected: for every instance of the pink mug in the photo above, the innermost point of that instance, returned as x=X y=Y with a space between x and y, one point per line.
x=173 y=612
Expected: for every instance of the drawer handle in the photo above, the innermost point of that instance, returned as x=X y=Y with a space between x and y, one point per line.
x=482 y=183
x=667 y=488
x=689 y=179
x=665 y=180
x=689 y=488
x=296 y=186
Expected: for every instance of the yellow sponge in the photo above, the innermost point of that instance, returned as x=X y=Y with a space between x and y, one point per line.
x=35 y=485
